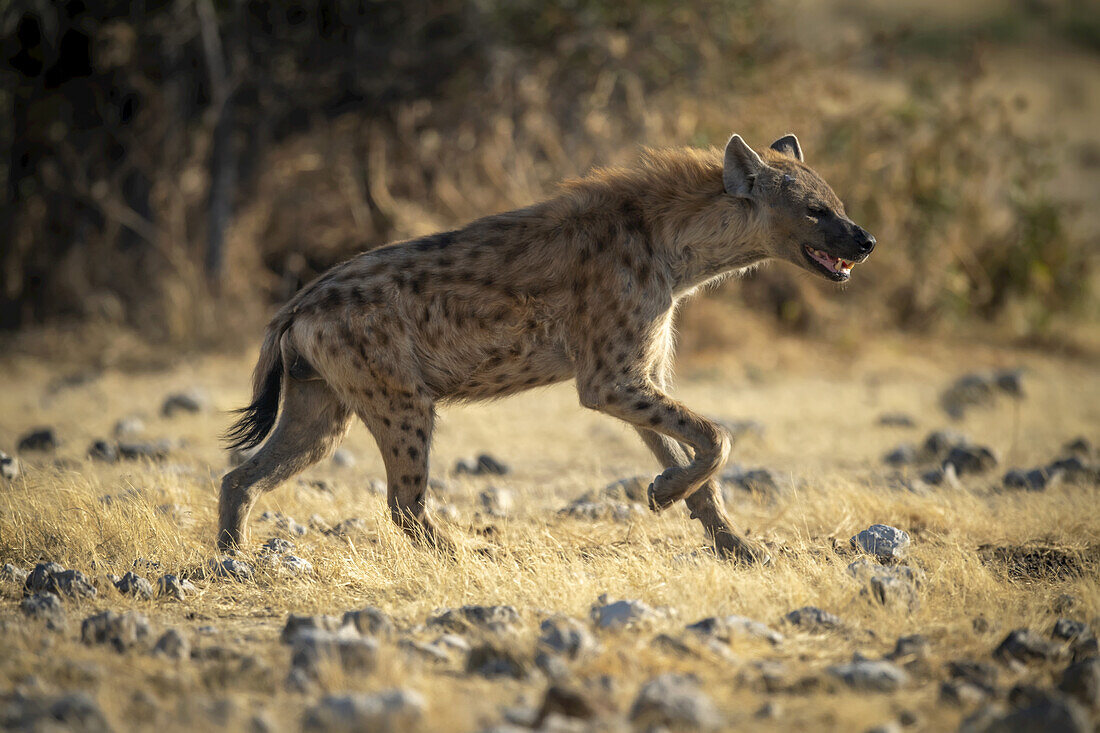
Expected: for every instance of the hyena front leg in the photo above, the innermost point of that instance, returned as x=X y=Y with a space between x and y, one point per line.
x=404 y=433
x=637 y=400
x=706 y=504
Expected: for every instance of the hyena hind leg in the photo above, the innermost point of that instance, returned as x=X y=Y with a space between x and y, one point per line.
x=403 y=432
x=311 y=424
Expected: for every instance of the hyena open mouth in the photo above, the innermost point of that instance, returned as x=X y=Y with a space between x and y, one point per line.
x=834 y=268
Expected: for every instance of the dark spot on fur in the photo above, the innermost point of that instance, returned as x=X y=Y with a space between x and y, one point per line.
x=414 y=453
x=655 y=420
x=421 y=434
x=642 y=405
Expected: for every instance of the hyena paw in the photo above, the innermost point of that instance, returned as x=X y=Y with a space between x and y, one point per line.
x=666 y=489
x=731 y=546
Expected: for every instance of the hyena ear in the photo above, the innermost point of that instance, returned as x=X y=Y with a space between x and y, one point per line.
x=740 y=167
x=788 y=145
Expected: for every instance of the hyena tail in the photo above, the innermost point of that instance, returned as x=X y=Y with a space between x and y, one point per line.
x=257 y=420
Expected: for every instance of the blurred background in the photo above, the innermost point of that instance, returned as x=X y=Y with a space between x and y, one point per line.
x=175 y=169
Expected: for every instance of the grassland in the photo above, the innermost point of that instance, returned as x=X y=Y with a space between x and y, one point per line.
x=819 y=404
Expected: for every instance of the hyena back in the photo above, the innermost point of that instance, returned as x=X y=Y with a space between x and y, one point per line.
x=583 y=286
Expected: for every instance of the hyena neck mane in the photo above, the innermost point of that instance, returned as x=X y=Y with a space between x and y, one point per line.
x=696 y=231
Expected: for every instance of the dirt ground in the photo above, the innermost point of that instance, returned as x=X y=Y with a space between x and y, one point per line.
x=988 y=559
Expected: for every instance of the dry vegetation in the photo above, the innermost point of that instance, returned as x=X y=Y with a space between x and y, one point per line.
x=819 y=406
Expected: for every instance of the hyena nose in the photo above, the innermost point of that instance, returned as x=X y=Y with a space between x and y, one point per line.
x=865 y=241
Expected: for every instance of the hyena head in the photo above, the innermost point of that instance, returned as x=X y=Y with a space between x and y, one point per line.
x=803 y=220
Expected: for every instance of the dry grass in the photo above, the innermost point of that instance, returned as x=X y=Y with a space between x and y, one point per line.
x=821 y=434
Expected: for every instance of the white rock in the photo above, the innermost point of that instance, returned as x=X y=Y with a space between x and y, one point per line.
x=381 y=712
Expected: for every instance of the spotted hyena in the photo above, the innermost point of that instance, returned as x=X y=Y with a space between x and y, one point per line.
x=583 y=286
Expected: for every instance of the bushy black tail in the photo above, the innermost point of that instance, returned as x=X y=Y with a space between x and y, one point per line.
x=257 y=420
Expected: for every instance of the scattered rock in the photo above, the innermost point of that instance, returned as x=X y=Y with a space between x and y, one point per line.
x=70 y=712
x=344 y=647
x=1087 y=648
x=1065 y=603
x=11 y=574
x=1053 y=712
x=756 y=481
x=9 y=467
x=295 y=624
x=496 y=619
x=144 y=451
x=496 y=502
x=1081 y=680
x=962 y=693
x=279 y=545
x=864 y=569
x=941 y=476
x=595 y=511
x=970 y=459
x=370 y=621
x=46 y=607
x=893 y=592
x=173 y=644
x=725 y=628
x=938 y=443
x=674 y=701
x=170 y=586
x=495 y=660
x=483 y=465
x=607 y=614
x=343 y=458
x=53 y=578
x=346 y=527
x=870 y=675
x=631 y=489
x=980 y=390
x=1080 y=446
x=39 y=439
x=122 y=631
x=671 y=645
x=564 y=701
x=294 y=565
x=567 y=636
x=128 y=427
x=134 y=585
x=101 y=450
x=1074 y=470
x=886 y=543
x=1022 y=646
x=903 y=455
x=979 y=674
x=896 y=420
x=812 y=618
x=913 y=646
x=427 y=652
x=232 y=568
x=1069 y=630
x=384 y=712
x=1036 y=479
x=191 y=401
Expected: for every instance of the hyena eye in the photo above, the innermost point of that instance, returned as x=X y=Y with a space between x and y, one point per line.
x=818 y=212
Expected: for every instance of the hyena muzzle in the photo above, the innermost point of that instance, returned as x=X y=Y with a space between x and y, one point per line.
x=582 y=286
